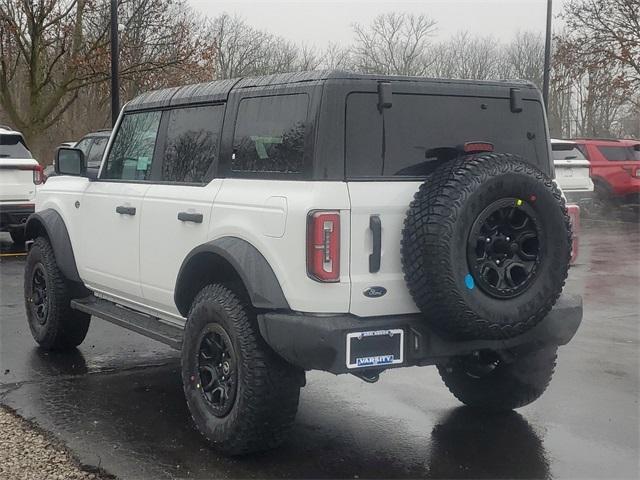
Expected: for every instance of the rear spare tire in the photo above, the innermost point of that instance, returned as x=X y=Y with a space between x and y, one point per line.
x=486 y=246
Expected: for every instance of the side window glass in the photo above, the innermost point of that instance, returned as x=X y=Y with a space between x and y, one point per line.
x=270 y=133
x=97 y=149
x=192 y=143
x=84 y=145
x=131 y=154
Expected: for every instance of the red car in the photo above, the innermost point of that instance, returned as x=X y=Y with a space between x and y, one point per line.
x=615 y=168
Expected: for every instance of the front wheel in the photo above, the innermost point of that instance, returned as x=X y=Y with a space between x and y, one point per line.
x=491 y=382
x=241 y=395
x=47 y=294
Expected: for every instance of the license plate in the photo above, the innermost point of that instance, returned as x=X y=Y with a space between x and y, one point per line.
x=565 y=172
x=375 y=348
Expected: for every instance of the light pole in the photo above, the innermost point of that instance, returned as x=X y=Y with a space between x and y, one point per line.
x=115 y=59
x=547 y=58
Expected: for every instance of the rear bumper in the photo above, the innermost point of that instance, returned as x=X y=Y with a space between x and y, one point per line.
x=579 y=197
x=319 y=342
x=14 y=215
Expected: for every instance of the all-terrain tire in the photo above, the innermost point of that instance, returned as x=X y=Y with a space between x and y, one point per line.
x=55 y=325
x=17 y=236
x=509 y=385
x=267 y=388
x=436 y=243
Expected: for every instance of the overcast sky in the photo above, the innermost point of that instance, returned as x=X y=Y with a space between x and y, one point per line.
x=320 y=22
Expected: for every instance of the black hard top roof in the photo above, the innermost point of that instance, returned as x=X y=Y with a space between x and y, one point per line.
x=218 y=91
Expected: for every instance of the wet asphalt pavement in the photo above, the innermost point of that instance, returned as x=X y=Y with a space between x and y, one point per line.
x=117 y=401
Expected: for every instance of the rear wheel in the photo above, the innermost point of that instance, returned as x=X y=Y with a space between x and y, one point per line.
x=47 y=293
x=241 y=395
x=489 y=382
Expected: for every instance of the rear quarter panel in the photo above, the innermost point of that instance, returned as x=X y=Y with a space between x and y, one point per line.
x=272 y=216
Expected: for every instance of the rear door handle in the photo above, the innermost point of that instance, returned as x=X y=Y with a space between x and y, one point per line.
x=123 y=210
x=376 y=229
x=190 y=217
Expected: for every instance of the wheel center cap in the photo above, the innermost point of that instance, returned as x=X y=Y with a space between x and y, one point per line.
x=226 y=368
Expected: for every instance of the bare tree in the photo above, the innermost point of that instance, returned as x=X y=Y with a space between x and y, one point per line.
x=593 y=85
x=308 y=58
x=607 y=28
x=466 y=56
x=41 y=56
x=525 y=57
x=241 y=50
x=53 y=51
x=395 y=44
x=337 y=57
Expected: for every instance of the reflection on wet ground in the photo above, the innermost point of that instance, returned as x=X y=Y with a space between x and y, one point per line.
x=117 y=401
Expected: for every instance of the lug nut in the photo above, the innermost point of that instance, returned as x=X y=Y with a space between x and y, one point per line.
x=488 y=240
x=508 y=239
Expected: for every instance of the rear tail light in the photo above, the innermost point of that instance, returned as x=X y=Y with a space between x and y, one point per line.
x=323 y=246
x=630 y=171
x=574 y=216
x=476 y=147
x=38 y=173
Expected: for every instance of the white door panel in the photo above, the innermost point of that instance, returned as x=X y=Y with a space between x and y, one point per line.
x=165 y=240
x=109 y=251
x=389 y=201
x=272 y=216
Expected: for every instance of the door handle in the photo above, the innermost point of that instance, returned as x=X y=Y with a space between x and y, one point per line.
x=375 y=225
x=190 y=217
x=123 y=210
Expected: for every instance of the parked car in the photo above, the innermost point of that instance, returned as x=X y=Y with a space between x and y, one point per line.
x=92 y=145
x=19 y=175
x=572 y=172
x=315 y=221
x=615 y=169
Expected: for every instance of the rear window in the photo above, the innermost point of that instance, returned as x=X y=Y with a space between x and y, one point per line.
x=402 y=140
x=270 y=134
x=566 y=151
x=620 y=154
x=12 y=146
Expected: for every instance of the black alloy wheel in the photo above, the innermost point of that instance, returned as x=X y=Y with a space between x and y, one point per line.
x=217 y=367
x=39 y=297
x=503 y=248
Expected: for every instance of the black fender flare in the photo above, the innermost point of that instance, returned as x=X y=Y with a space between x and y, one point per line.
x=52 y=225
x=258 y=277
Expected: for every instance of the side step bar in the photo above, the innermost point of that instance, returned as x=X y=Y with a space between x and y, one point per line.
x=146 y=325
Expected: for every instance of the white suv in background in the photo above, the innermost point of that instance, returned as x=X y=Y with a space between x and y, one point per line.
x=19 y=175
x=572 y=172
x=314 y=221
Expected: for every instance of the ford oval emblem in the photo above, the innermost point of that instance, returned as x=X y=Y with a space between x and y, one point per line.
x=374 y=292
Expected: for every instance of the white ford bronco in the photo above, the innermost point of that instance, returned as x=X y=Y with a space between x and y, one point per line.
x=314 y=221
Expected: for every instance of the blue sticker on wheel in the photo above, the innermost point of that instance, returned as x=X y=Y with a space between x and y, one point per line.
x=468 y=281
